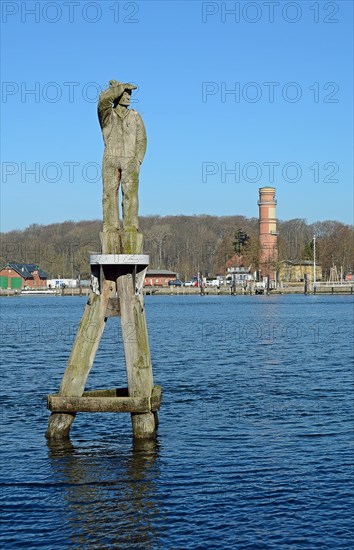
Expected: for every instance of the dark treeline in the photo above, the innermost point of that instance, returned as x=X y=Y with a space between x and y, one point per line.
x=186 y=244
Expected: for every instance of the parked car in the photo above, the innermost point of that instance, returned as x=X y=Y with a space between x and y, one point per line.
x=212 y=282
x=259 y=288
x=175 y=282
x=192 y=282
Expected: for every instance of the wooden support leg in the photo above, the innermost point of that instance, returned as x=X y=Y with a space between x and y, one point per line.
x=82 y=356
x=137 y=353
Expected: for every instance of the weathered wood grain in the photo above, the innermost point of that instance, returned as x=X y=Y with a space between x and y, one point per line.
x=57 y=403
x=137 y=352
x=135 y=339
x=141 y=399
x=156 y=398
x=82 y=356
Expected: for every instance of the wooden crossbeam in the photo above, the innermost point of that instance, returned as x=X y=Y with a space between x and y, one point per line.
x=114 y=400
x=59 y=403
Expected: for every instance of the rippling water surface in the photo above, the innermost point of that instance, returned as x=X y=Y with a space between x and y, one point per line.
x=255 y=441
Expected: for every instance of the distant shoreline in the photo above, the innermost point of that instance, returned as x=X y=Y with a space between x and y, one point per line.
x=345 y=289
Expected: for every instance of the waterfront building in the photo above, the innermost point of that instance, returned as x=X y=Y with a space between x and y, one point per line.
x=294 y=271
x=63 y=283
x=240 y=275
x=20 y=276
x=159 y=277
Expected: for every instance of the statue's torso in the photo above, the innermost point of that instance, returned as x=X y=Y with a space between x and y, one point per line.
x=120 y=134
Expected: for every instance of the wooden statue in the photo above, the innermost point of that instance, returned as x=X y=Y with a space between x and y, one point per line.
x=118 y=275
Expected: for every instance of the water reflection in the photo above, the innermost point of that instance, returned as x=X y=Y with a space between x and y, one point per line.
x=108 y=494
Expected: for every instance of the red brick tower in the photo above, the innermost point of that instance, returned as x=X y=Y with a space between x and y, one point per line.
x=268 y=236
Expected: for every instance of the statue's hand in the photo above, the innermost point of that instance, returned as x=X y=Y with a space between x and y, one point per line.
x=125 y=86
x=130 y=87
x=115 y=83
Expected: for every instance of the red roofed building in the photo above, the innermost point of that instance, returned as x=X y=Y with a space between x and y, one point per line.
x=18 y=276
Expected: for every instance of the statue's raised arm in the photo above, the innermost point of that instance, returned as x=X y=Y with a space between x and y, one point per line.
x=108 y=97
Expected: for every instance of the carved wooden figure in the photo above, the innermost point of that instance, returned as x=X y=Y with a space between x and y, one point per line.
x=118 y=274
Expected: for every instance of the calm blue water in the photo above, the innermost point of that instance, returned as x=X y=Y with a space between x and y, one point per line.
x=255 y=444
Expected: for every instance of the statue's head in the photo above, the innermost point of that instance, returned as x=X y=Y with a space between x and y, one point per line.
x=124 y=98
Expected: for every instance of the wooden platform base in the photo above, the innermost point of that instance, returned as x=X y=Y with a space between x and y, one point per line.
x=115 y=400
x=117 y=282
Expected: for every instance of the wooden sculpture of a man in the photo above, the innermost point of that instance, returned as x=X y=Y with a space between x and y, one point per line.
x=118 y=275
x=125 y=145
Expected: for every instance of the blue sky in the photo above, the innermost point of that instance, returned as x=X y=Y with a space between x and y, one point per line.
x=184 y=56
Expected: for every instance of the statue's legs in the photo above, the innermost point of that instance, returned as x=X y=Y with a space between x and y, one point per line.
x=111 y=176
x=130 y=202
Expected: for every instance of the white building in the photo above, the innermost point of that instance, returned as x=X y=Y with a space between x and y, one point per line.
x=60 y=283
x=240 y=275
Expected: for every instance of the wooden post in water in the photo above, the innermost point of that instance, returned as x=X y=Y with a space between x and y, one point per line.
x=135 y=340
x=121 y=275
x=118 y=274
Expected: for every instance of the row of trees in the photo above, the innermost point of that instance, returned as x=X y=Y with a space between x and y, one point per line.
x=186 y=244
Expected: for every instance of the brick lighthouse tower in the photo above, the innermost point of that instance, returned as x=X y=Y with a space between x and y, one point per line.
x=268 y=236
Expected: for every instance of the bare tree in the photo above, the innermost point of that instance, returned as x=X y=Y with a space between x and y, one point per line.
x=157 y=236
